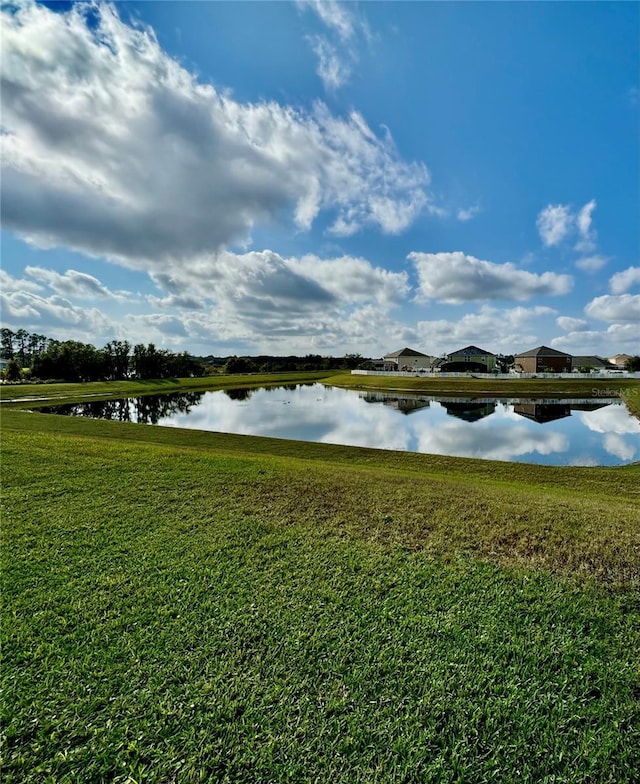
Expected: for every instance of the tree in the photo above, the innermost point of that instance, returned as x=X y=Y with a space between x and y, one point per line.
x=632 y=364
x=13 y=371
x=239 y=365
x=116 y=359
x=22 y=337
x=7 y=338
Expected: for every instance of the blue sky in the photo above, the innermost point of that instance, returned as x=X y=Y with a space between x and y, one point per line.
x=302 y=177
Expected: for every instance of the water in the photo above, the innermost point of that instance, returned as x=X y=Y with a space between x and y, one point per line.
x=587 y=431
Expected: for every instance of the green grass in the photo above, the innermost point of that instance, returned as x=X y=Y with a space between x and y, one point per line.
x=181 y=606
x=488 y=385
x=65 y=392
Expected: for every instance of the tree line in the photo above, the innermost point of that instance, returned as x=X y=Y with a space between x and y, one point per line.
x=35 y=356
x=39 y=357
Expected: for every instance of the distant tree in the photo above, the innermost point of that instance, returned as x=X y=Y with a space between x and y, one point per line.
x=116 y=359
x=632 y=364
x=504 y=362
x=22 y=338
x=13 y=371
x=239 y=365
x=7 y=338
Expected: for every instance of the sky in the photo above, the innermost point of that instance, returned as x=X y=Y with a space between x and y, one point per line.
x=321 y=177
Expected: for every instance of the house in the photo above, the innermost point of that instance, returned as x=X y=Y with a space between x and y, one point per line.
x=594 y=362
x=619 y=360
x=543 y=360
x=543 y=412
x=470 y=358
x=407 y=359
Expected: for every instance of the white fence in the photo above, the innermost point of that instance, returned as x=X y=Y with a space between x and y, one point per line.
x=610 y=376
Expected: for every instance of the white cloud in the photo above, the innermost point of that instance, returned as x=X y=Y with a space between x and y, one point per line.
x=112 y=148
x=622 y=338
x=623 y=308
x=611 y=419
x=337 y=51
x=617 y=446
x=467 y=214
x=494 y=329
x=591 y=263
x=457 y=277
x=554 y=224
x=621 y=282
x=571 y=324
x=286 y=304
x=73 y=283
x=353 y=279
x=9 y=284
x=587 y=238
x=557 y=222
x=55 y=316
x=332 y=68
x=336 y=16
x=184 y=302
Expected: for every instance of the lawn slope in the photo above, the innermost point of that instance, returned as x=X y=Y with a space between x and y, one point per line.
x=182 y=607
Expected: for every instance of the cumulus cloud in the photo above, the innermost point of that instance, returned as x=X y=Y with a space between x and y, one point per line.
x=571 y=324
x=599 y=342
x=617 y=446
x=622 y=308
x=185 y=302
x=28 y=310
x=9 y=284
x=457 y=277
x=557 y=222
x=494 y=329
x=307 y=303
x=591 y=263
x=621 y=282
x=554 y=223
x=112 y=148
x=72 y=283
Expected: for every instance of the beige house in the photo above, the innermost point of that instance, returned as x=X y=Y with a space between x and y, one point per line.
x=407 y=359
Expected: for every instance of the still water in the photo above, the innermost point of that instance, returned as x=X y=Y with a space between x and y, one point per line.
x=586 y=431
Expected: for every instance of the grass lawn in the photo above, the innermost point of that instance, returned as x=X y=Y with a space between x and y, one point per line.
x=181 y=606
x=488 y=385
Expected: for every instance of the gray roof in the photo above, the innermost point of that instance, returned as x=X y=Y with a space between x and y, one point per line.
x=472 y=351
x=592 y=361
x=542 y=351
x=405 y=352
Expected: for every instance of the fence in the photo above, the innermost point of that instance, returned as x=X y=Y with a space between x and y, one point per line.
x=426 y=374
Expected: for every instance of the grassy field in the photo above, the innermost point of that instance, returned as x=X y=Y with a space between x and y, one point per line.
x=539 y=387
x=181 y=606
x=66 y=392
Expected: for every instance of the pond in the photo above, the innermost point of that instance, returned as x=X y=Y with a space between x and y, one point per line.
x=586 y=431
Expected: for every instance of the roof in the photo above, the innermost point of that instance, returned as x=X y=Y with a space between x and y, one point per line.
x=472 y=351
x=405 y=352
x=593 y=361
x=542 y=351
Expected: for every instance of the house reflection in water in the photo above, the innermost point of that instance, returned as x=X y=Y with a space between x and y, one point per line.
x=469 y=410
x=548 y=412
x=543 y=412
x=405 y=405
